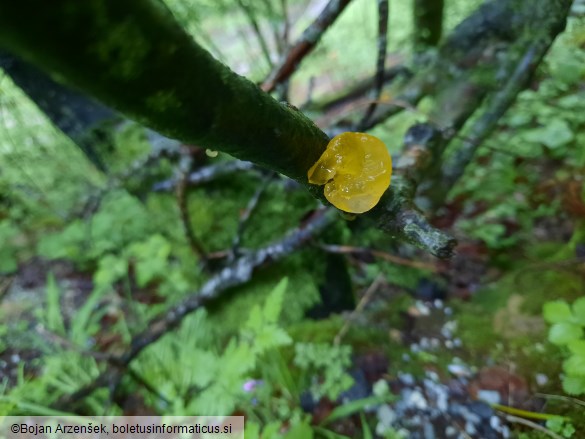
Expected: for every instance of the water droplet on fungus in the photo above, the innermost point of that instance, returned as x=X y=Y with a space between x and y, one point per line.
x=355 y=169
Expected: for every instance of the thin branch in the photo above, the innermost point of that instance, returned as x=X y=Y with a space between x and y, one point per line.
x=359 y=308
x=206 y=174
x=356 y=92
x=252 y=204
x=380 y=62
x=346 y=249
x=286 y=22
x=194 y=243
x=305 y=44
x=237 y=273
x=251 y=16
x=568 y=399
x=273 y=20
x=497 y=107
x=533 y=425
x=139 y=379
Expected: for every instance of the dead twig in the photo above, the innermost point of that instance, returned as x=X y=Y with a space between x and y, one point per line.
x=346 y=249
x=532 y=424
x=359 y=308
x=206 y=174
x=251 y=16
x=380 y=61
x=305 y=44
x=247 y=213
x=194 y=243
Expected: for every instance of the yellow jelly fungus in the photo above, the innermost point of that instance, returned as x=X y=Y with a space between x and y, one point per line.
x=355 y=169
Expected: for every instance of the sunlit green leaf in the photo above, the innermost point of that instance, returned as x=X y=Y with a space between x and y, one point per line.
x=557 y=312
x=563 y=333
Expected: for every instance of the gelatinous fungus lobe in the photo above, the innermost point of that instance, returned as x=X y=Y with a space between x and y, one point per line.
x=355 y=169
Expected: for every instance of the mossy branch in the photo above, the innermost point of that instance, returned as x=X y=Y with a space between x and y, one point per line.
x=166 y=81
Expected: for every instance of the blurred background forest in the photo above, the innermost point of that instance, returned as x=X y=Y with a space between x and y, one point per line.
x=343 y=332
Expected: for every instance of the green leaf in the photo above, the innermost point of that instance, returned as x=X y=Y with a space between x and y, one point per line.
x=568 y=431
x=270 y=337
x=252 y=430
x=575 y=366
x=271 y=430
x=300 y=431
x=328 y=434
x=151 y=258
x=555 y=424
x=366 y=431
x=54 y=317
x=111 y=268
x=557 y=133
x=579 y=311
x=574 y=385
x=8 y=262
x=557 y=312
x=563 y=333
x=356 y=406
x=273 y=305
x=577 y=347
x=237 y=360
x=204 y=367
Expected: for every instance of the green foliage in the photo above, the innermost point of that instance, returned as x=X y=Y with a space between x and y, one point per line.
x=327 y=364
x=566 y=331
x=204 y=380
x=8 y=259
x=120 y=221
x=53 y=317
x=62 y=374
x=500 y=186
x=561 y=426
x=150 y=258
x=304 y=271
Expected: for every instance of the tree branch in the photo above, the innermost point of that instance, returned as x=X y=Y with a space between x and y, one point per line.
x=305 y=44
x=251 y=16
x=380 y=62
x=195 y=245
x=206 y=174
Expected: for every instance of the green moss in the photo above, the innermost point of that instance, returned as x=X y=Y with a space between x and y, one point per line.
x=124 y=48
x=163 y=101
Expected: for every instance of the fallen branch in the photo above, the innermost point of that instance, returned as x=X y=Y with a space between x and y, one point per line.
x=237 y=273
